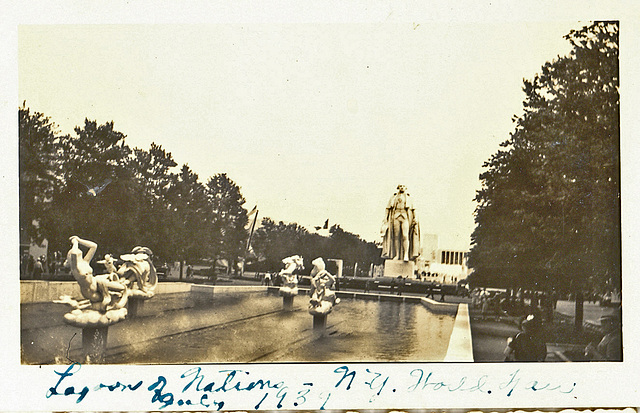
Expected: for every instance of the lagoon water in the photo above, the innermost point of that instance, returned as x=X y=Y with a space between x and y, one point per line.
x=252 y=328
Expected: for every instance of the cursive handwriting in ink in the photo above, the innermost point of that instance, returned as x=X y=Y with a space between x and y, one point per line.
x=158 y=396
x=229 y=384
x=302 y=395
x=69 y=391
x=373 y=386
x=427 y=382
x=372 y=380
x=514 y=380
x=346 y=373
x=197 y=387
x=118 y=385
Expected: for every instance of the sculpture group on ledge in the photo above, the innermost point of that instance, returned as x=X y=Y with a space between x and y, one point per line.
x=400 y=228
x=105 y=296
x=323 y=298
x=289 y=286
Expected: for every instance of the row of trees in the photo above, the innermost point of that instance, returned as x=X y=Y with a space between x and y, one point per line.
x=147 y=201
x=548 y=213
x=273 y=241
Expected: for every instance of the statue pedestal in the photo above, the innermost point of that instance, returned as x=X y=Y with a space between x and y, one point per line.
x=287 y=302
x=399 y=268
x=319 y=322
x=134 y=305
x=94 y=344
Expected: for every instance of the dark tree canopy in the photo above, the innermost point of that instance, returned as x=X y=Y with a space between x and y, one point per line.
x=143 y=198
x=275 y=241
x=548 y=213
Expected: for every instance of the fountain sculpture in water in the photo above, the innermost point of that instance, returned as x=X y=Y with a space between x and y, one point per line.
x=289 y=279
x=105 y=296
x=289 y=288
x=323 y=298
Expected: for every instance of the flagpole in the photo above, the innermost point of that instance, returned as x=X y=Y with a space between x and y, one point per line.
x=244 y=256
x=253 y=226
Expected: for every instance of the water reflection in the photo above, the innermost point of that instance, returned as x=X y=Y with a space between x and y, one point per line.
x=253 y=329
x=381 y=331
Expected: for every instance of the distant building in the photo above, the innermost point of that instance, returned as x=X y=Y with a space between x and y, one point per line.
x=441 y=265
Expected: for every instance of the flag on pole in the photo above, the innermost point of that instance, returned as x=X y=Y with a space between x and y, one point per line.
x=325 y=226
x=254 y=211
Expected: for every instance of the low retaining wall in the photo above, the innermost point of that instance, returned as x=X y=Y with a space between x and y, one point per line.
x=440 y=307
x=460 y=344
x=203 y=291
x=36 y=291
x=46 y=291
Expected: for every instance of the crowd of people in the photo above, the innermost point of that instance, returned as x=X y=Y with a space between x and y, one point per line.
x=535 y=310
x=36 y=268
x=495 y=303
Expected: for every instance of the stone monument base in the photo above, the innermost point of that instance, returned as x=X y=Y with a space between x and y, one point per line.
x=397 y=268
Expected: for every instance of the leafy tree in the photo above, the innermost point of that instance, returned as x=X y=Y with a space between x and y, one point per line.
x=39 y=173
x=152 y=172
x=352 y=249
x=228 y=218
x=548 y=213
x=97 y=156
x=275 y=241
x=189 y=213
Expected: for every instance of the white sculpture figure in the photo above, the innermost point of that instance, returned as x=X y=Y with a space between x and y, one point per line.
x=109 y=263
x=289 y=279
x=139 y=273
x=322 y=297
x=105 y=296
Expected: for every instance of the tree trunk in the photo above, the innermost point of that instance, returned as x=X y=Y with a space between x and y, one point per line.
x=181 y=269
x=579 y=311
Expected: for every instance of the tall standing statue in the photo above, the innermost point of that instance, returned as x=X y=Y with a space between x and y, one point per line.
x=400 y=228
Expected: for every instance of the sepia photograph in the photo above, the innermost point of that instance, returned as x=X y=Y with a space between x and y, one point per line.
x=311 y=193
x=377 y=203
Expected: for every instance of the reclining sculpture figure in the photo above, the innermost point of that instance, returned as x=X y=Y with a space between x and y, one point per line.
x=105 y=296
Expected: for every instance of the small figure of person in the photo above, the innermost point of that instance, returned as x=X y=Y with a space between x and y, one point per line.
x=23 y=265
x=610 y=347
x=484 y=302
x=189 y=271
x=30 y=264
x=430 y=291
x=527 y=345
x=38 y=269
x=367 y=286
x=267 y=279
x=400 y=284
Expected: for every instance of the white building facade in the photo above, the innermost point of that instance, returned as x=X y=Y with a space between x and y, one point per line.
x=441 y=265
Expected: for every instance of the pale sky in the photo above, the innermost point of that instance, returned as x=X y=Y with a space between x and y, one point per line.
x=313 y=121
